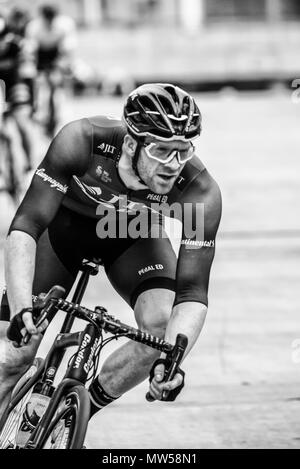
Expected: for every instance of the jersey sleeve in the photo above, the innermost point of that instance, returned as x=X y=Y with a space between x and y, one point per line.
x=201 y=209
x=68 y=155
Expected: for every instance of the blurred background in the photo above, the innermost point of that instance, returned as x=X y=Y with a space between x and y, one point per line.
x=241 y=61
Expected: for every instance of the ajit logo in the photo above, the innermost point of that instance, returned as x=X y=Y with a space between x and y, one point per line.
x=106 y=148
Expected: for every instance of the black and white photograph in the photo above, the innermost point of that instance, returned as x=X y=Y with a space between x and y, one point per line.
x=149 y=227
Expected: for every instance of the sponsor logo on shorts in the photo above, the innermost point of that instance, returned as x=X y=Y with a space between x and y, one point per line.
x=53 y=183
x=150 y=268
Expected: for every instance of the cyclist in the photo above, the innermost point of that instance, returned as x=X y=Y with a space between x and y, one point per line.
x=103 y=164
x=53 y=35
x=17 y=70
x=53 y=38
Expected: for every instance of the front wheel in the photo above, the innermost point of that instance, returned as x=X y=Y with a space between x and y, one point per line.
x=13 y=417
x=69 y=425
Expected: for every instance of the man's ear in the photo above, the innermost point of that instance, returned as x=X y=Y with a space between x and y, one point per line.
x=130 y=145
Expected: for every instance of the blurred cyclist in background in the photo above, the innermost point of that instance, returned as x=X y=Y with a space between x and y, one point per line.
x=18 y=71
x=53 y=38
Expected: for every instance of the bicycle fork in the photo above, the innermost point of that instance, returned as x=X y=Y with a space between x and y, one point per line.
x=76 y=374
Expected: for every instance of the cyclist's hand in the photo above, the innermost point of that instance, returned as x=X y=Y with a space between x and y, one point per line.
x=21 y=324
x=158 y=385
x=30 y=327
x=29 y=324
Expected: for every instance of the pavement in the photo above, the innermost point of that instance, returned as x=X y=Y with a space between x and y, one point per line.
x=243 y=375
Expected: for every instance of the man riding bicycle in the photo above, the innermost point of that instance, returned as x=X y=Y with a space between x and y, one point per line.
x=53 y=39
x=98 y=173
x=18 y=71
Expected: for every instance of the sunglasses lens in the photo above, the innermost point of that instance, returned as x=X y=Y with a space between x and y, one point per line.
x=163 y=154
x=186 y=155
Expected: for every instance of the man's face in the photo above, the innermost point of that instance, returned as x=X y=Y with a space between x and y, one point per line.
x=160 y=177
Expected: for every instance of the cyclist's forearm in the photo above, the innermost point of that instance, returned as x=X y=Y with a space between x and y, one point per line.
x=19 y=261
x=187 y=318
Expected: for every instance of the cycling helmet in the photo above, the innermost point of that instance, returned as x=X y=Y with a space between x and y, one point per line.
x=49 y=12
x=162 y=110
x=17 y=20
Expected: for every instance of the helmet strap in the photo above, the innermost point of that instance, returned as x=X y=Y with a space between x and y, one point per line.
x=135 y=161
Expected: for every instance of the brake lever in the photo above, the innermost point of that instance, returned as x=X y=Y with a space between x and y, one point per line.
x=42 y=300
x=41 y=305
x=174 y=359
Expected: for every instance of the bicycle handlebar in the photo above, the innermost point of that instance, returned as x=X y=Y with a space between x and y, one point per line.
x=172 y=363
x=53 y=301
x=45 y=304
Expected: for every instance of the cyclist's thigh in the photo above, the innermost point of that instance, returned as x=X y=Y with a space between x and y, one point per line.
x=53 y=268
x=147 y=264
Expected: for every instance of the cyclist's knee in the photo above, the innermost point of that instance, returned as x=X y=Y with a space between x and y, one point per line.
x=153 y=309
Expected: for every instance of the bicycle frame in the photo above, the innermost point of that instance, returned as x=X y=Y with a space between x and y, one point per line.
x=86 y=341
x=49 y=82
x=89 y=343
x=77 y=373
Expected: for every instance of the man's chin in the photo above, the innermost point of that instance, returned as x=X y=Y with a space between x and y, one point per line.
x=160 y=186
x=159 y=189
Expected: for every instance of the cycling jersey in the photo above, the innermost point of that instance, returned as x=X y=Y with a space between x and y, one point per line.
x=79 y=178
x=9 y=51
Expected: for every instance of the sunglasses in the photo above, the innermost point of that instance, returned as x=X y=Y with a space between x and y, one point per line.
x=159 y=152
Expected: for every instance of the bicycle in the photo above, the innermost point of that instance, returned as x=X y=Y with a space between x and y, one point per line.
x=9 y=170
x=65 y=420
x=51 y=81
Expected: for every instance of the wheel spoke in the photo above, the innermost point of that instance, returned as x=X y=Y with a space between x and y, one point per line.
x=9 y=432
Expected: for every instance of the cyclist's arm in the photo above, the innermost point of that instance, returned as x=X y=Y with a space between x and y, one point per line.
x=68 y=155
x=193 y=269
x=203 y=200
